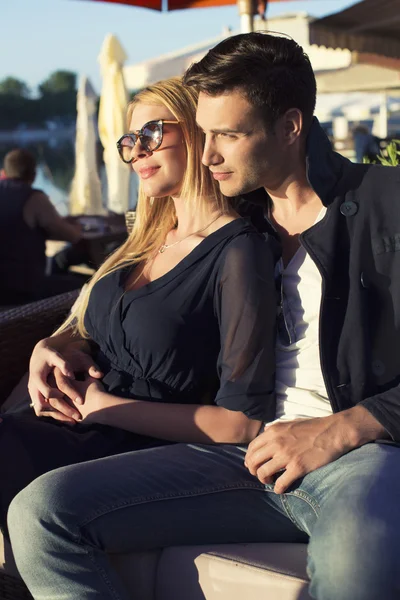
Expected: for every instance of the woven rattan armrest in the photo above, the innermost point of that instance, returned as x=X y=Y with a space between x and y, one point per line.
x=21 y=328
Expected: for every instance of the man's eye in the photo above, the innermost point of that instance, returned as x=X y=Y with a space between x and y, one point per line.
x=227 y=135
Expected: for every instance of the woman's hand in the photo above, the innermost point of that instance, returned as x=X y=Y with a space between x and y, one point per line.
x=47 y=399
x=90 y=389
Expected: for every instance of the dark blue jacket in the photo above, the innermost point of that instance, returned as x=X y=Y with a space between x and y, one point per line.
x=356 y=248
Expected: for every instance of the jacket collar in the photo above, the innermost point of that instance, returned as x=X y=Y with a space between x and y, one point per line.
x=324 y=167
x=329 y=174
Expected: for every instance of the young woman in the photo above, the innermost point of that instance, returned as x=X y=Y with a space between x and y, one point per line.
x=180 y=324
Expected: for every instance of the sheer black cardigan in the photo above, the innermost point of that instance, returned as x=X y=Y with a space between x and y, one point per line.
x=202 y=333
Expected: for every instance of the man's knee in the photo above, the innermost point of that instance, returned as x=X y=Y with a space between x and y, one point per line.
x=353 y=553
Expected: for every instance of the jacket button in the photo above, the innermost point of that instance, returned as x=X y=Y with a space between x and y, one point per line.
x=364 y=280
x=378 y=368
x=348 y=209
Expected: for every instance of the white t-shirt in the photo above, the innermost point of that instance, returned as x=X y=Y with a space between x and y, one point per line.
x=300 y=386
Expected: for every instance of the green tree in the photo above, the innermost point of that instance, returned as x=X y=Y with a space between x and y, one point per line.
x=14 y=87
x=15 y=110
x=59 y=82
x=57 y=100
x=58 y=95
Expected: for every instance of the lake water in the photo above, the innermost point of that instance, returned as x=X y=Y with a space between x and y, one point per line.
x=56 y=165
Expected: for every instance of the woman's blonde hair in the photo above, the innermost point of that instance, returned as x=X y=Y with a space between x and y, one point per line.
x=155 y=217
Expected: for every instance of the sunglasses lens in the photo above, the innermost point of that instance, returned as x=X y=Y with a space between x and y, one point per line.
x=126 y=145
x=151 y=137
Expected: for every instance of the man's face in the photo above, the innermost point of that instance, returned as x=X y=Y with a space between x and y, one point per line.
x=239 y=152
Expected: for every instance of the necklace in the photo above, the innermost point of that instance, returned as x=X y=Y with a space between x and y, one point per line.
x=165 y=247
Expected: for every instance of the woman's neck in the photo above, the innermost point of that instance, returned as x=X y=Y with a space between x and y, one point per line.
x=189 y=220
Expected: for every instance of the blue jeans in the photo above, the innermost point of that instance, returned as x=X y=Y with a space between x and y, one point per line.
x=63 y=524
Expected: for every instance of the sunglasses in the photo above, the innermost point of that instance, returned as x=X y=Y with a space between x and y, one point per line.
x=150 y=136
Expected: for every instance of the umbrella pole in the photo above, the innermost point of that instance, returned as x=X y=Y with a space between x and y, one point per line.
x=246 y=12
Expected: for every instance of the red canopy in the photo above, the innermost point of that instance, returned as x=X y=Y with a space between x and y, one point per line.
x=179 y=4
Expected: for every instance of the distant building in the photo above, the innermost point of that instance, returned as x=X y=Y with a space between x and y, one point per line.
x=175 y=63
x=337 y=111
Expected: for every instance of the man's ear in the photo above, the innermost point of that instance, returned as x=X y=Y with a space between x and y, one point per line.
x=293 y=125
x=2 y=174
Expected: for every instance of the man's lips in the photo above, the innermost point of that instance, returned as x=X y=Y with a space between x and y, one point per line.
x=147 y=172
x=221 y=176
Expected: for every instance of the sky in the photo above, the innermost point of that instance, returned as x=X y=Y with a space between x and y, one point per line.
x=42 y=36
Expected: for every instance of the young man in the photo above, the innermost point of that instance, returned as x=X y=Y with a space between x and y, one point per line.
x=338 y=339
x=317 y=472
x=27 y=219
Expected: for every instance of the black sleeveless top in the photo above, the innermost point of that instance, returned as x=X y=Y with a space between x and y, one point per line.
x=201 y=333
x=22 y=249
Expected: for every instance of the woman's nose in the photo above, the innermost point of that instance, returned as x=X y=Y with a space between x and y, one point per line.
x=139 y=151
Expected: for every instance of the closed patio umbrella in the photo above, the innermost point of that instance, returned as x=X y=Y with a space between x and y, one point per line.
x=85 y=195
x=112 y=116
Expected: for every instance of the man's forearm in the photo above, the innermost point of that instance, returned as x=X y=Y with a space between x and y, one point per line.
x=295 y=448
x=60 y=341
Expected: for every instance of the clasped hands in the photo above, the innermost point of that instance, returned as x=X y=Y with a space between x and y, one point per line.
x=55 y=388
x=283 y=453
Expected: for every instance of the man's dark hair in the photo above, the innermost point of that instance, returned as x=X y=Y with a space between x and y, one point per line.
x=273 y=72
x=20 y=164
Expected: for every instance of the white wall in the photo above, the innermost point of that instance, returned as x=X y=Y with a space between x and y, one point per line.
x=175 y=63
x=297 y=27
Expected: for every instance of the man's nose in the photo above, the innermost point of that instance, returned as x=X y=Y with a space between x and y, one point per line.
x=210 y=154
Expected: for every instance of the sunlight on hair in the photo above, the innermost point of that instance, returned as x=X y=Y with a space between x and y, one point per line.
x=156 y=216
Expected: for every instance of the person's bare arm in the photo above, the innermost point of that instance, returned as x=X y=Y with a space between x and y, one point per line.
x=294 y=448
x=245 y=305
x=191 y=423
x=40 y=212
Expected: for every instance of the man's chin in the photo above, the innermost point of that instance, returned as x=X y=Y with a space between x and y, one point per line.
x=230 y=189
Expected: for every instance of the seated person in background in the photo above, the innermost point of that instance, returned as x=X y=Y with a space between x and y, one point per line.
x=366 y=145
x=27 y=219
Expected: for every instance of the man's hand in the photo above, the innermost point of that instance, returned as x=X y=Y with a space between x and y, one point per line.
x=303 y=445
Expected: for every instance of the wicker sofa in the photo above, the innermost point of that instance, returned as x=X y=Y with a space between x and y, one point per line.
x=215 y=572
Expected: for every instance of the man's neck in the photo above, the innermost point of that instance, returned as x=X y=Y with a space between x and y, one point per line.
x=295 y=208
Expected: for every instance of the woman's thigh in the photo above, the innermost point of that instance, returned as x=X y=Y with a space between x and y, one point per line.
x=30 y=447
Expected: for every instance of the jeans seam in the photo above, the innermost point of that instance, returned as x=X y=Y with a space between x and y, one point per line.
x=302 y=496
x=103 y=574
x=170 y=496
x=307 y=498
x=90 y=554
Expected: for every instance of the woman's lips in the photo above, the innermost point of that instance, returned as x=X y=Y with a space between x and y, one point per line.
x=148 y=172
